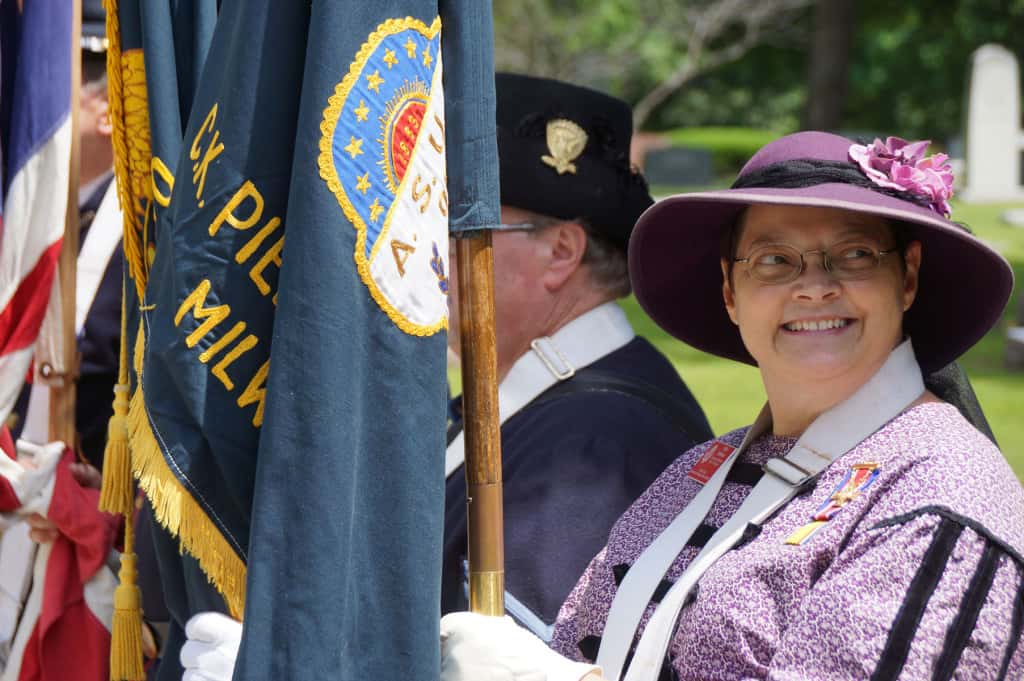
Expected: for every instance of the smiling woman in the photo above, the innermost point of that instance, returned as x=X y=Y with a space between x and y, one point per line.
x=817 y=331
x=861 y=527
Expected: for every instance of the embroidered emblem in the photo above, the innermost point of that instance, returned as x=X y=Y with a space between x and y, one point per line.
x=437 y=264
x=566 y=142
x=857 y=479
x=713 y=458
x=382 y=155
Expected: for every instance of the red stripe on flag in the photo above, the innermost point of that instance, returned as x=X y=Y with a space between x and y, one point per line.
x=20 y=320
x=7 y=443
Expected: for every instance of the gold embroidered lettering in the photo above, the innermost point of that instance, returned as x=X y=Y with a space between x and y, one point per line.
x=227 y=213
x=160 y=171
x=256 y=393
x=442 y=203
x=254 y=243
x=273 y=255
x=401 y=252
x=221 y=343
x=197 y=302
x=213 y=150
x=220 y=368
x=420 y=194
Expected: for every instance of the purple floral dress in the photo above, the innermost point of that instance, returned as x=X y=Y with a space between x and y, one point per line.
x=919 y=576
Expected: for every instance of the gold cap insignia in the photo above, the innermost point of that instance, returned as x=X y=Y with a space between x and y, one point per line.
x=566 y=141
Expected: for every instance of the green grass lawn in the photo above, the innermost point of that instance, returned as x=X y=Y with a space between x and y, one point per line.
x=731 y=393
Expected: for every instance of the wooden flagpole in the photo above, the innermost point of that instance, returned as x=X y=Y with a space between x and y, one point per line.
x=475 y=263
x=62 y=386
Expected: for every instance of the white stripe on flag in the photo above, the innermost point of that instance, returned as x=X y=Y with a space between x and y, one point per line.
x=34 y=210
x=29 y=616
x=33 y=220
x=13 y=367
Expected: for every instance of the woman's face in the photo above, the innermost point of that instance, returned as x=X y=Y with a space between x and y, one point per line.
x=820 y=327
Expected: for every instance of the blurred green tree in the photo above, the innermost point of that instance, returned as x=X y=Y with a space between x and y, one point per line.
x=647 y=50
x=689 y=63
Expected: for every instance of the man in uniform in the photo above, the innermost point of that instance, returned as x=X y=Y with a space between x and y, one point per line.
x=591 y=413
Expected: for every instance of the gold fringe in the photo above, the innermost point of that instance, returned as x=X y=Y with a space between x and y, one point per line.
x=128 y=108
x=177 y=511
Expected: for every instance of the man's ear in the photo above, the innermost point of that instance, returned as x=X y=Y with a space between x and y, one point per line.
x=728 y=295
x=568 y=243
x=103 y=124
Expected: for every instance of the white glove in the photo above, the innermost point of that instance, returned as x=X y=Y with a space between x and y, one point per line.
x=32 y=476
x=211 y=649
x=481 y=648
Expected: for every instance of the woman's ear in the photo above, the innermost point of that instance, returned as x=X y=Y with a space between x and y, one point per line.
x=911 y=271
x=728 y=295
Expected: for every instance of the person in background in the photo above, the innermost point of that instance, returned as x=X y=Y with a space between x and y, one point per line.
x=589 y=410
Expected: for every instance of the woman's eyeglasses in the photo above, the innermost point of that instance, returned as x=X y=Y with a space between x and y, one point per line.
x=782 y=263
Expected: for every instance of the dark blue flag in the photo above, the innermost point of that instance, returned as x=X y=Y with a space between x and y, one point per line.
x=292 y=435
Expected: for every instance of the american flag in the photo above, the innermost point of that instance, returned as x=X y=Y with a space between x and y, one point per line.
x=35 y=144
x=63 y=630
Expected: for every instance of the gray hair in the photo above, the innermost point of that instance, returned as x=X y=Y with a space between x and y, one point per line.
x=96 y=88
x=609 y=268
x=607 y=264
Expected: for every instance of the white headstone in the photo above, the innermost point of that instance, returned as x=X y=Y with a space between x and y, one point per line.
x=994 y=140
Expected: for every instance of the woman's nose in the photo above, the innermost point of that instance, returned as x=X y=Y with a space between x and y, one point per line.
x=815 y=282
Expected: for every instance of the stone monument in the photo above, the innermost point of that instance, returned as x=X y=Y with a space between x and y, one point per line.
x=1015 y=340
x=994 y=139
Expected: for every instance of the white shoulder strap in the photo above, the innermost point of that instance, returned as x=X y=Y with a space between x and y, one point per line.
x=551 y=359
x=890 y=391
x=646 y=573
x=100 y=243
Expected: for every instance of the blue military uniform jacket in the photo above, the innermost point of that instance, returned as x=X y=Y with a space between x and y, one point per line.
x=573 y=461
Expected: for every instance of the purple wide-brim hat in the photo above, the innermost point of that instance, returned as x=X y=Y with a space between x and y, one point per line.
x=675 y=259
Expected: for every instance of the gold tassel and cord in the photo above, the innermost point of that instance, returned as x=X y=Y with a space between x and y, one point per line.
x=117 y=491
x=117 y=494
x=126 y=632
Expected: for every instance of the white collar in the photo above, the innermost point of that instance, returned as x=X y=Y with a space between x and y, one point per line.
x=551 y=359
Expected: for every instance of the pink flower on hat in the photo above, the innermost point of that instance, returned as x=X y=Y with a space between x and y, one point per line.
x=902 y=165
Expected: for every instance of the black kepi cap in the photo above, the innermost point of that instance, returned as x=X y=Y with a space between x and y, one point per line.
x=564 y=152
